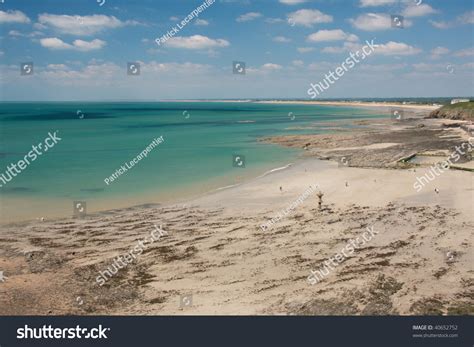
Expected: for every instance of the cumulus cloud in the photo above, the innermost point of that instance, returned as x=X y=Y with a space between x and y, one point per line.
x=248 y=16
x=56 y=67
x=78 y=45
x=438 y=52
x=369 y=3
x=281 y=39
x=466 y=18
x=305 y=49
x=335 y=49
x=201 y=22
x=274 y=20
x=468 y=52
x=308 y=18
x=382 y=67
x=375 y=22
x=195 y=42
x=81 y=25
x=15 y=33
x=271 y=67
x=348 y=46
x=13 y=17
x=292 y=2
x=396 y=48
x=440 y=24
x=331 y=35
x=414 y=10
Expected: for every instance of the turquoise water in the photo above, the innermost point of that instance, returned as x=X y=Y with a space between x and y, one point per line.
x=200 y=140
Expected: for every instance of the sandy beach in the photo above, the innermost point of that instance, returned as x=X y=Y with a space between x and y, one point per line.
x=215 y=258
x=362 y=104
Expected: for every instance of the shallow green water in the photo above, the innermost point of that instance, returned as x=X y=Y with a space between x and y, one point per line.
x=200 y=140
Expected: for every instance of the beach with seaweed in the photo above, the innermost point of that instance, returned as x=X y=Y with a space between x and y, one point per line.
x=215 y=257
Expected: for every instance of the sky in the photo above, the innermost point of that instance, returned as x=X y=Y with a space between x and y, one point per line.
x=85 y=50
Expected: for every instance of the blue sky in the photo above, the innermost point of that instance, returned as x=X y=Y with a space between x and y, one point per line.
x=80 y=48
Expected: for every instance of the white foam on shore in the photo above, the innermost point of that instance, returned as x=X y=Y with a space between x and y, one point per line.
x=227 y=187
x=263 y=175
x=276 y=169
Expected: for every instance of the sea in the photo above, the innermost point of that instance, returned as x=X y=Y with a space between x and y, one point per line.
x=206 y=146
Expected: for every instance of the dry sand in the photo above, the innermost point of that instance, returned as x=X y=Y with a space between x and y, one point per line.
x=419 y=262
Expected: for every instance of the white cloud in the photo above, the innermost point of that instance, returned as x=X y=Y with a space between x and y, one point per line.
x=195 y=42
x=81 y=25
x=308 y=17
x=274 y=20
x=297 y=63
x=396 y=48
x=281 y=39
x=201 y=22
x=331 y=35
x=16 y=33
x=271 y=67
x=84 y=46
x=466 y=18
x=305 y=49
x=78 y=45
x=438 y=52
x=368 y=3
x=99 y=73
x=382 y=67
x=440 y=24
x=375 y=22
x=174 y=18
x=333 y=50
x=174 y=68
x=54 y=43
x=13 y=17
x=468 y=52
x=348 y=46
x=292 y=2
x=414 y=10
x=248 y=16
x=57 y=67
x=426 y=67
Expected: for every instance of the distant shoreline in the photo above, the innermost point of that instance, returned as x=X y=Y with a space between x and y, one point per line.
x=361 y=104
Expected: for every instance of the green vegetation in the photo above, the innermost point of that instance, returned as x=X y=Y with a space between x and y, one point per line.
x=460 y=111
